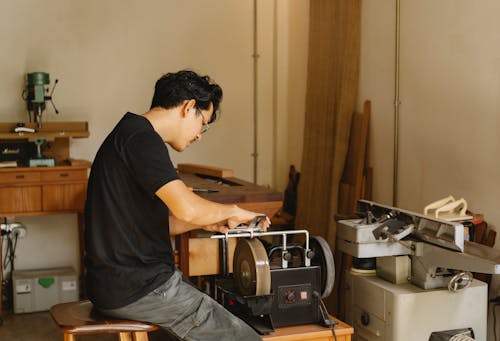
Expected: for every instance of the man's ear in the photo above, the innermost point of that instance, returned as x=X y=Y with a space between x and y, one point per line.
x=187 y=105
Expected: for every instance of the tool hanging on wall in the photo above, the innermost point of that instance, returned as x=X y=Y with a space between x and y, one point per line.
x=35 y=95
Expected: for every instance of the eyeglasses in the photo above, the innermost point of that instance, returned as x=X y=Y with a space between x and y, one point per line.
x=205 y=126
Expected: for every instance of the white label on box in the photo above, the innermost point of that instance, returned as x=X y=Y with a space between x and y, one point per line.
x=68 y=285
x=23 y=288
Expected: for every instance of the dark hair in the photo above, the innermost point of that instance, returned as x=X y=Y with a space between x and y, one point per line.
x=174 y=88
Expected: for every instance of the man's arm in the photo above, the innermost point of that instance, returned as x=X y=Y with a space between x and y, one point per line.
x=198 y=212
x=178 y=226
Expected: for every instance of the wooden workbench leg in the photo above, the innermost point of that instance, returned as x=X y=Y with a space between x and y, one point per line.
x=125 y=336
x=1 y=280
x=81 y=244
x=69 y=337
x=141 y=336
x=182 y=245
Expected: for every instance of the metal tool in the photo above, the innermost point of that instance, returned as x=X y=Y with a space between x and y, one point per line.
x=436 y=247
x=35 y=95
x=255 y=225
x=251 y=268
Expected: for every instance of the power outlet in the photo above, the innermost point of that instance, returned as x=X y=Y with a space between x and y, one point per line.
x=15 y=228
x=20 y=232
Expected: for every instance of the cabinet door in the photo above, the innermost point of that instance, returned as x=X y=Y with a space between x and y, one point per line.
x=64 y=197
x=20 y=199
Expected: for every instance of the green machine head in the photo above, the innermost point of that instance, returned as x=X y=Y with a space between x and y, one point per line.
x=35 y=95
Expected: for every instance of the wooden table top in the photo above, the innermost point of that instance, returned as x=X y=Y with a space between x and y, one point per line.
x=308 y=332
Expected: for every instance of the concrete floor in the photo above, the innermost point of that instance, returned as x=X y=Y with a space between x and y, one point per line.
x=41 y=327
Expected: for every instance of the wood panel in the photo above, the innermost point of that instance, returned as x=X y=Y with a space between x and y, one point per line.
x=20 y=199
x=205 y=170
x=351 y=189
x=269 y=208
x=20 y=177
x=64 y=197
x=204 y=256
x=48 y=129
x=64 y=175
x=57 y=149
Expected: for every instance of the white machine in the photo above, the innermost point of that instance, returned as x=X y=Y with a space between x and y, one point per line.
x=423 y=284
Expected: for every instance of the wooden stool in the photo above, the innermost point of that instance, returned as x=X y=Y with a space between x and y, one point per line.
x=75 y=318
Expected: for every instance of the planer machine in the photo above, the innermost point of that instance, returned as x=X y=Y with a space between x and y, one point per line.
x=276 y=284
x=440 y=255
x=423 y=283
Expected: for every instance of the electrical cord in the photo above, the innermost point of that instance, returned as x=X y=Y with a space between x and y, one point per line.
x=10 y=252
x=10 y=239
x=326 y=320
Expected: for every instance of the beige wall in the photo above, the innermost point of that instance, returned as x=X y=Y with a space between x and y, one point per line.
x=291 y=71
x=450 y=106
x=449 y=114
x=107 y=56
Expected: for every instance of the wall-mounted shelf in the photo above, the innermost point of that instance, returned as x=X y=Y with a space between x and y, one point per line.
x=48 y=130
x=56 y=134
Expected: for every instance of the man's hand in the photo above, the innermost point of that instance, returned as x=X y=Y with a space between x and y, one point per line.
x=219 y=227
x=244 y=217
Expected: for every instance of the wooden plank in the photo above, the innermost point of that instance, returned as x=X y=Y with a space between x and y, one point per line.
x=352 y=186
x=311 y=332
x=268 y=208
x=182 y=248
x=75 y=164
x=205 y=170
x=1 y=281
x=480 y=232
x=141 y=336
x=490 y=239
x=366 y=191
x=8 y=127
x=204 y=256
x=48 y=129
x=125 y=336
x=355 y=161
x=57 y=149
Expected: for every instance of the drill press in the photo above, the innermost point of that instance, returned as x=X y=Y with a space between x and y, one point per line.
x=35 y=95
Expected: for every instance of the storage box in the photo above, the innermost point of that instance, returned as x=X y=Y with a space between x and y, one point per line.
x=38 y=290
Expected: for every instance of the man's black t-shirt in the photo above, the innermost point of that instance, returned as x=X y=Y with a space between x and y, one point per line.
x=127 y=242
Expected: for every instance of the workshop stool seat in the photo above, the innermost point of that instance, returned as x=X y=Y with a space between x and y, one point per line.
x=75 y=318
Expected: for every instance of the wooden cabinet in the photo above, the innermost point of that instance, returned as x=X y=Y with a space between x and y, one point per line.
x=44 y=190
x=41 y=191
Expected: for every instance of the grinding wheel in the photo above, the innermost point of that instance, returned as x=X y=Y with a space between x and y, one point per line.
x=251 y=268
x=323 y=257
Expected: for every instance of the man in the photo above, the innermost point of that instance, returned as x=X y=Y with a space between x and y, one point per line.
x=132 y=188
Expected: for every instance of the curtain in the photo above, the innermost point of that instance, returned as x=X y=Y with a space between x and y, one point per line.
x=332 y=84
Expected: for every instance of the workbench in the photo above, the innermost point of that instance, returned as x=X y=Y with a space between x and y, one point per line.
x=312 y=332
x=199 y=256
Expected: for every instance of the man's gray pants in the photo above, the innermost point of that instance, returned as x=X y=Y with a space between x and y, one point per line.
x=186 y=312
